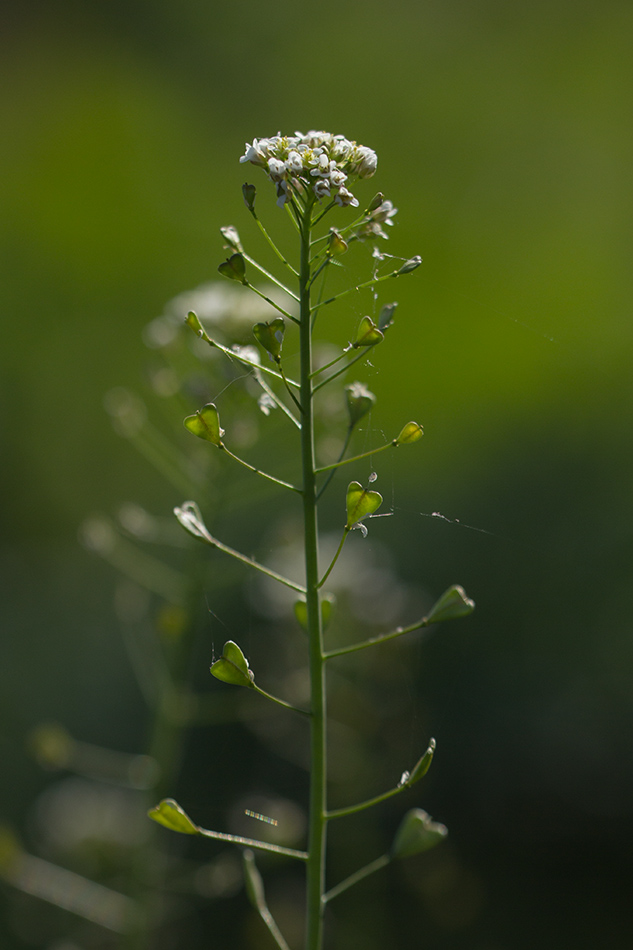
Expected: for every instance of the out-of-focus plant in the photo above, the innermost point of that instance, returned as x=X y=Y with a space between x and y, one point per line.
x=310 y=174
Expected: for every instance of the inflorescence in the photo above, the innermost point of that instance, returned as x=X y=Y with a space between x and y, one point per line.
x=318 y=160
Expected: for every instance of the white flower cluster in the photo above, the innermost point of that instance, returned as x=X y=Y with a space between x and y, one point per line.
x=319 y=160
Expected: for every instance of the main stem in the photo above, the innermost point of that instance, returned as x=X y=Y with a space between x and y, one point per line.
x=318 y=804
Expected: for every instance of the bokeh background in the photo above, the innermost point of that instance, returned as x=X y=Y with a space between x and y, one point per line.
x=504 y=137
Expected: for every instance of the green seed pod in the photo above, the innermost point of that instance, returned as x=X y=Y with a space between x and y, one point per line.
x=453 y=603
x=271 y=336
x=361 y=502
x=417 y=832
x=172 y=816
x=409 y=434
x=232 y=667
x=368 y=333
x=205 y=423
x=360 y=401
x=234 y=268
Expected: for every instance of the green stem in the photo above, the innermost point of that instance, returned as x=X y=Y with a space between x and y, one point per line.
x=272 y=303
x=361 y=806
x=355 y=458
x=335 y=558
x=351 y=290
x=339 y=372
x=357 y=876
x=398 y=632
x=258 y=471
x=280 y=702
x=275 y=398
x=317 y=821
x=273 y=245
x=327 y=481
x=269 y=276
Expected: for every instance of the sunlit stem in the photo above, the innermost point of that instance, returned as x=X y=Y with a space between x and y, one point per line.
x=273 y=246
x=280 y=702
x=290 y=392
x=315 y=882
x=355 y=458
x=356 y=877
x=398 y=632
x=352 y=290
x=335 y=558
x=336 y=359
x=343 y=369
x=272 y=303
x=203 y=335
x=361 y=806
x=340 y=458
x=271 y=277
x=258 y=471
x=253 y=843
x=320 y=269
x=209 y=539
x=275 y=398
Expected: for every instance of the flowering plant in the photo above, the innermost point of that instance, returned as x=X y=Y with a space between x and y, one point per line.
x=311 y=173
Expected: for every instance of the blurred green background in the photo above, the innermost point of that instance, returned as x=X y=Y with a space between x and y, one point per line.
x=504 y=137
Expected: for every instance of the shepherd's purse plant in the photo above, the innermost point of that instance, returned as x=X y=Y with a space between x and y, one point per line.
x=311 y=174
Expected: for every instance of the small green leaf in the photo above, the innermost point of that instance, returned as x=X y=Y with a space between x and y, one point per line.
x=249 y=192
x=385 y=318
x=205 y=423
x=271 y=336
x=453 y=603
x=301 y=611
x=368 y=333
x=360 y=503
x=172 y=816
x=409 y=265
x=409 y=434
x=359 y=401
x=417 y=832
x=421 y=768
x=232 y=667
x=234 y=268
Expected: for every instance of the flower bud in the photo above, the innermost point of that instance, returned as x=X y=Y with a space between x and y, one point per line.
x=232 y=238
x=375 y=202
x=409 y=265
x=249 y=192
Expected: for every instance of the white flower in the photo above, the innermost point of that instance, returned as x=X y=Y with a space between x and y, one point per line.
x=256 y=153
x=345 y=198
x=294 y=162
x=365 y=160
x=276 y=169
x=282 y=193
x=322 y=188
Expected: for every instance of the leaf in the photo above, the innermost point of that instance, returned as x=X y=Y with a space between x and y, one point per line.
x=271 y=336
x=409 y=434
x=368 y=333
x=172 y=816
x=417 y=833
x=205 y=423
x=423 y=765
x=232 y=667
x=453 y=603
x=360 y=503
